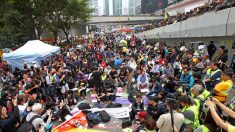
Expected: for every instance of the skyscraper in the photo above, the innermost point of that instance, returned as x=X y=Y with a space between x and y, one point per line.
x=137 y=7
x=151 y=6
x=94 y=5
x=117 y=7
x=106 y=7
x=131 y=7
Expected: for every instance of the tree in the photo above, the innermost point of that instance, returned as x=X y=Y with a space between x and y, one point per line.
x=30 y=18
x=76 y=11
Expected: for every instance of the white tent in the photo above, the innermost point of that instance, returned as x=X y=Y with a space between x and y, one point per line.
x=34 y=50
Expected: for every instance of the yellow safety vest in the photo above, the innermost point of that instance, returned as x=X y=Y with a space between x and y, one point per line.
x=198 y=100
x=210 y=73
x=206 y=93
x=202 y=128
x=196 y=113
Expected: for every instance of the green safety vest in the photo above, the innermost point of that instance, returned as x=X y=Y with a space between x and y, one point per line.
x=202 y=128
x=206 y=93
x=199 y=100
x=210 y=73
x=194 y=109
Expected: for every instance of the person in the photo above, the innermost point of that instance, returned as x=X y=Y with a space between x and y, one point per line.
x=168 y=69
x=213 y=75
x=206 y=61
x=155 y=109
x=211 y=48
x=199 y=95
x=50 y=80
x=212 y=104
x=141 y=120
x=142 y=81
x=60 y=83
x=39 y=121
x=190 y=112
x=8 y=120
x=172 y=57
x=219 y=52
x=21 y=105
x=164 y=122
x=222 y=89
x=137 y=106
x=96 y=78
x=224 y=57
x=132 y=63
x=149 y=125
x=187 y=79
x=128 y=71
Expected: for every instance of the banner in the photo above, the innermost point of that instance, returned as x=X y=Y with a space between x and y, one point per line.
x=78 y=120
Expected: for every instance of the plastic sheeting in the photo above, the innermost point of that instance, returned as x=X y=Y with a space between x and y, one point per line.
x=34 y=50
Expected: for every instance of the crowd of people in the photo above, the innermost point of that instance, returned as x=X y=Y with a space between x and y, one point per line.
x=184 y=85
x=214 y=5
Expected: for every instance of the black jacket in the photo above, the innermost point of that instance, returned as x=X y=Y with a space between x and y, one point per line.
x=156 y=111
x=135 y=106
x=8 y=125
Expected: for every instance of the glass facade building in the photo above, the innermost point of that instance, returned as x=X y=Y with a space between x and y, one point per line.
x=117 y=7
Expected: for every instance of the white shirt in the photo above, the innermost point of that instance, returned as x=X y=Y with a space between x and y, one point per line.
x=132 y=64
x=164 y=122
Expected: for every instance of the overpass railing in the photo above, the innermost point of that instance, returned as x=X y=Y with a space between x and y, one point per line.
x=220 y=23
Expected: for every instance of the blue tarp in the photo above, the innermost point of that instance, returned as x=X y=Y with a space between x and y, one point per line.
x=34 y=50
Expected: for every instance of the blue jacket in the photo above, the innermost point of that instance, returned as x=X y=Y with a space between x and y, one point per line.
x=187 y=79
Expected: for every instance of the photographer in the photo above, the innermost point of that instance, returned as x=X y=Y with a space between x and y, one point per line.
x=226 y=126
x=164 y=123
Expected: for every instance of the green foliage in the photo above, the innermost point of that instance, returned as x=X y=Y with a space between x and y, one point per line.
x=28 y=19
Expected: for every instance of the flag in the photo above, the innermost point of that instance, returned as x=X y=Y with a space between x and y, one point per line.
x=78 y=119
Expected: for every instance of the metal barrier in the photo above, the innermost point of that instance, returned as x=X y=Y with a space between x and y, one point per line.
x=211 y=24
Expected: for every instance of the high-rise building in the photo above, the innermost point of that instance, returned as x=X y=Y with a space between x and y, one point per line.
x=131 y=7
x=106 y=7
x=151 y=6
x=117 y=7
x=137 y=7
x=113 y=7
x=94 y=5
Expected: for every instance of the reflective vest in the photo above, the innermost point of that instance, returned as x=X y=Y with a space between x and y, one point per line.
x=210 y=73
x=194 y=109
x=202 y=128
x=222 y=90
x=206 y=93
x=199 y=100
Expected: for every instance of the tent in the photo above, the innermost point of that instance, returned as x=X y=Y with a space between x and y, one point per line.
x=34 y=50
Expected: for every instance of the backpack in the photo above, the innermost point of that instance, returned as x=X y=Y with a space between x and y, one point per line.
x=84 y=106
x=94 y=117
x=28 y=124
x=104 y=116
x=114 y=105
